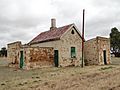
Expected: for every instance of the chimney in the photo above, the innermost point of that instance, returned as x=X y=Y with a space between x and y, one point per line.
x=53 y=24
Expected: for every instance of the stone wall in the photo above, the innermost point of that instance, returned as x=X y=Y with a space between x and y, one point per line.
x=13 y=52
x=35 y=57
x=90 y=52
x=93 y=51
x=104 y=44
x=64 y=45
x=67 y=41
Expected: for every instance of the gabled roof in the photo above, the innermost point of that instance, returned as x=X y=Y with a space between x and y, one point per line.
x=51 y=35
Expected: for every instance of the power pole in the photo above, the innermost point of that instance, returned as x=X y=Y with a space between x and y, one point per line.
x=83 y=25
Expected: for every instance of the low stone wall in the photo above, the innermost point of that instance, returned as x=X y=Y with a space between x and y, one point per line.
x=35 y=57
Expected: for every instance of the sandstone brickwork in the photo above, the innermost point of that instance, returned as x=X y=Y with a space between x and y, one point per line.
x=67 y=40
x=64 y=45
x=13 y=52
x=35 y=57
x=93 y=51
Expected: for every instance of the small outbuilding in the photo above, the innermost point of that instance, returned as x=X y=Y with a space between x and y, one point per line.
x=97 y=51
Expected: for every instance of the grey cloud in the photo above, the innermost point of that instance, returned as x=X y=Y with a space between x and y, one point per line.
x=19 y=14
x=25 y=22
x=19 y=20
x=106 y=3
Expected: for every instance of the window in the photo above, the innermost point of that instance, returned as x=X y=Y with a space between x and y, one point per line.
x=72 y=32
x=73 y=54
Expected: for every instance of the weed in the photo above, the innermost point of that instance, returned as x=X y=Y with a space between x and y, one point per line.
x=25 y=82
x=37 y=77
x=35 y=81
x=46 y=83
x=2 y=84
x=20 y=84
x=105 y=68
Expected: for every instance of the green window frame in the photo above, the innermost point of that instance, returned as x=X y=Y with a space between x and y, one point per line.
x=73 y=52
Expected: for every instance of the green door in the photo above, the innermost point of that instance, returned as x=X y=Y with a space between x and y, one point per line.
x=104 y=57
x=21 y=59
x=56 y=58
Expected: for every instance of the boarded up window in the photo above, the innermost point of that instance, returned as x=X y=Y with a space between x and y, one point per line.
x=73 y=54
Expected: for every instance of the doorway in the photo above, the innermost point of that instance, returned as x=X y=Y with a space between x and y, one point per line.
x=21 y=59
x=56 y=57
x=104 y=57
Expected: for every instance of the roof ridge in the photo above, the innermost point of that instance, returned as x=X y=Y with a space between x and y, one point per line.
x=59 y=27
x=66 y=25
x=51 y=34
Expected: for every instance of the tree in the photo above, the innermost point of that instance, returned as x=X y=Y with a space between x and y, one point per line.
x=3 y=52
x=115 y=41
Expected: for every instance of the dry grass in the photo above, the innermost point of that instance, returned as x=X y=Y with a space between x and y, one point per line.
x=69 y=78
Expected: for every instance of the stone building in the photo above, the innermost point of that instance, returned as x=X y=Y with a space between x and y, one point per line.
x=97 y=51
x=24 y=56
x=57 y=47
x=66 y=42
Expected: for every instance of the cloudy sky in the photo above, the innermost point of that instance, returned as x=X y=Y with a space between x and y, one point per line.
x=22 y=20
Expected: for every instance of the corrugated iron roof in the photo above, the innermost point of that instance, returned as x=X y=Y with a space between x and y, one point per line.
x=50 y=35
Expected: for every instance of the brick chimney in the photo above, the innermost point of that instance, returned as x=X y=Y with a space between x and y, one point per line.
x=53 y=24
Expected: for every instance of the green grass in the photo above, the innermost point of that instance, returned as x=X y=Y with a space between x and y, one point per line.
x=106 y=68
